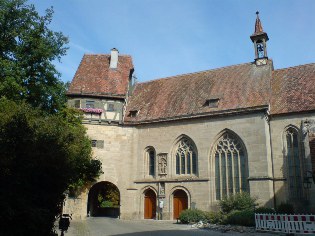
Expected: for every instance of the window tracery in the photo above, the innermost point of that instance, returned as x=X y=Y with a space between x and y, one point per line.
x=230 y=166
x=186 y=158
x=294 y=164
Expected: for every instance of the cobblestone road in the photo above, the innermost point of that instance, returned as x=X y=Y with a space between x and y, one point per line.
x=108 y=226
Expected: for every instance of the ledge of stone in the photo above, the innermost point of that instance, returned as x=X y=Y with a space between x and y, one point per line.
x=182 y=179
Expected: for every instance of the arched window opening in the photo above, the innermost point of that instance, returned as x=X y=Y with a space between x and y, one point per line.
x=230 y=166
x=186 y=158
x=294 y=164
x=150 y=160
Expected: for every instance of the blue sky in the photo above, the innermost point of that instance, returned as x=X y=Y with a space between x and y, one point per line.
x=171 y=37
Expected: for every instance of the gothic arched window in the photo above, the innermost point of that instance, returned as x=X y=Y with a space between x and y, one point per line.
x=294 y=164
x=230 y=166
x=186 y=157
x=150 y=161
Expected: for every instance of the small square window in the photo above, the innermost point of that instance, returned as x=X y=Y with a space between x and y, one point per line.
x=89 y=104
x=98 y=143
x=94 y=143
x=110 y=107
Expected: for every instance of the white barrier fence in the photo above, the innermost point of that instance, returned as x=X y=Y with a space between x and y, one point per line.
x=302 y=224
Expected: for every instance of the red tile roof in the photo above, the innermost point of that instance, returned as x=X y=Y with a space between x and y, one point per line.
x=94 y=77
x=293 y=89
x=238 y=87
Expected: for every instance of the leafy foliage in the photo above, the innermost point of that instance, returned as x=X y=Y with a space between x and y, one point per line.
x=27 y=49
x=239 y=201
x=191 y=215
x=108 y=196
x=236 y=217
x=214 y=217
x=40 y=156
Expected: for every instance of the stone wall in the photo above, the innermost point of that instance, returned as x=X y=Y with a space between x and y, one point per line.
x=252 y=129
x=118 y=167
x=124 y=161
x=278 y=126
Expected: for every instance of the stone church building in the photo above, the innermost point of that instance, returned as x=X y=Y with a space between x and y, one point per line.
x=186 y=141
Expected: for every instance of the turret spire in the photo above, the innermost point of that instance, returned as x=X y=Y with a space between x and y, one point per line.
x=259 y=38
x=258 y=25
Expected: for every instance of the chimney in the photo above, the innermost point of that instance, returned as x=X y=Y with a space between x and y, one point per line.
x=113 y=58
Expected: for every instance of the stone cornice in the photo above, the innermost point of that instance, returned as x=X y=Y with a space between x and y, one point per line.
x=171 y=180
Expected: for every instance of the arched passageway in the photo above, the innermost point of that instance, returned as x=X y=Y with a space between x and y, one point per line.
x=104 y=200
x=149 y=204
x=180 y=202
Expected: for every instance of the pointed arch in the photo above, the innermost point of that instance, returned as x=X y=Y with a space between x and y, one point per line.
x=230 y=162
x=185 y=156
x=179 y=200
x=293 y=162
x=150 y=161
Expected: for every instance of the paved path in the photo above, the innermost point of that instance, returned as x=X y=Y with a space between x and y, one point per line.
x=107 y=226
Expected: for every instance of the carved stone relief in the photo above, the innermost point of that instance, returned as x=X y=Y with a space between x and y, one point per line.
x=161 y=189
x=162 y=163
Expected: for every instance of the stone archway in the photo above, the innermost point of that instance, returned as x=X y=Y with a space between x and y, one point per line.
x=149 y=204
x=180 y=202
x=104 y=200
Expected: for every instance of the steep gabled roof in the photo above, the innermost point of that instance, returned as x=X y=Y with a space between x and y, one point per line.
x=293 y=89
x=237 y=87
x=94 y=77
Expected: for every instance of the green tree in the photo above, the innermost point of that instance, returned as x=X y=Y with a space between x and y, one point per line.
x=27 y=51
x=44 y=150
x=40 y=156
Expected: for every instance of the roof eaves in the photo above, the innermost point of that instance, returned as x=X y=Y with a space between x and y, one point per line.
x=204 y=114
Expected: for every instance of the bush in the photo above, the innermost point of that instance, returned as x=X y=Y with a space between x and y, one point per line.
x=265 y=210
x=285 y=208
x=239 y=201
x=214 y=217
x=191 y=215
x=244 y=218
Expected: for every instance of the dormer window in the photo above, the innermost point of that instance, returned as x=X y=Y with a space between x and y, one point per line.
x=212 y=102
x=133 y=113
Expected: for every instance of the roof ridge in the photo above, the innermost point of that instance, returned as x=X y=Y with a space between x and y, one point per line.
x=105 y=54
x=198 y=72
x=294 y=67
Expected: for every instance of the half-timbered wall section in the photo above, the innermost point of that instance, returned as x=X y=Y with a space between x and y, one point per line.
x=99 y=110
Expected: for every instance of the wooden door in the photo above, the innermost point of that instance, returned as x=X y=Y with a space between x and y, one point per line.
x=180 y=202
x=149 y=205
